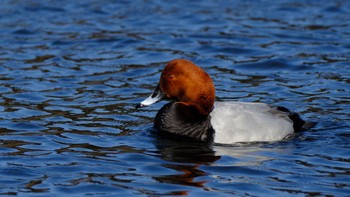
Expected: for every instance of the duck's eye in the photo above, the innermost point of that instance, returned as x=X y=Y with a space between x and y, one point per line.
x=171 y=77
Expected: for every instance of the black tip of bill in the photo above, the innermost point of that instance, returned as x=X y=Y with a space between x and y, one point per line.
x=155 y=97
x=138 y=106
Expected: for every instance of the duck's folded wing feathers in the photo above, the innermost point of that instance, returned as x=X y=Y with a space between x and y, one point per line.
x=245 y=122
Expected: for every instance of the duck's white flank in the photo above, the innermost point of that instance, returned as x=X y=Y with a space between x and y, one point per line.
x=248 y=122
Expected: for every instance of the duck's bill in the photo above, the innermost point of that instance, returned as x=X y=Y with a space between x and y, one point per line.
x=155 y=97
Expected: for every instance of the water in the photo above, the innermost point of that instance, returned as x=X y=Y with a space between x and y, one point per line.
x=72 y=71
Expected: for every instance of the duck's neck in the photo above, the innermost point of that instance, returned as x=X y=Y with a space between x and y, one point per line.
x=200 y=107
x=181 y=120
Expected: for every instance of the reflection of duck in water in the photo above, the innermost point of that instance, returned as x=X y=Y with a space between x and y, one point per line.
x=185 y=157
x=186 y=151
x=199 y=165
x=187 y=177
x=194 y=115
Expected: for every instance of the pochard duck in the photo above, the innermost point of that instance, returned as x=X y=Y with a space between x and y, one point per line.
x=194 y=114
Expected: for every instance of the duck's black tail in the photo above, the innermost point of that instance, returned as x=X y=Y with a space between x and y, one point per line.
x=298 y=123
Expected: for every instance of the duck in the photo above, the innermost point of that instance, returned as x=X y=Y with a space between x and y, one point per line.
x=193 y=113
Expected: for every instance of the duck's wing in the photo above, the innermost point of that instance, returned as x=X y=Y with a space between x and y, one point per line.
x=246 y=122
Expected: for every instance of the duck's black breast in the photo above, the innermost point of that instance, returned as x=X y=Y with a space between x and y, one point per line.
x=175 y=122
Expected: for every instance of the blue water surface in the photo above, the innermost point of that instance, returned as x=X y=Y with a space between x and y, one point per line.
x=71 y=73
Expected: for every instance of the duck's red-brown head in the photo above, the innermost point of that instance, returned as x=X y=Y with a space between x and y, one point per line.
x=186 y=83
